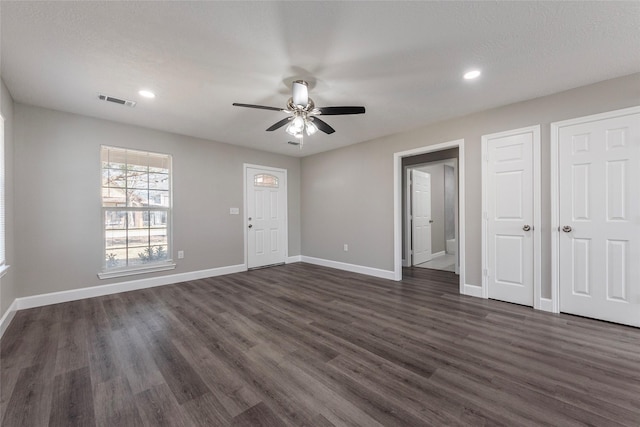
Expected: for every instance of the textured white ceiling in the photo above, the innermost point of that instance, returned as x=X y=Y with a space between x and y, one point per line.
x=402 y=60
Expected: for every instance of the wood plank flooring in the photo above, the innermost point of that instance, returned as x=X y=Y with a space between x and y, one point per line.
x=302 y=345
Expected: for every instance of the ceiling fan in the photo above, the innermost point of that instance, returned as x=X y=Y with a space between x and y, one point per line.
x=303 y=114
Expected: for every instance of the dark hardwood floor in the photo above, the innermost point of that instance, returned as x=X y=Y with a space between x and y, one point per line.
x=305 y=345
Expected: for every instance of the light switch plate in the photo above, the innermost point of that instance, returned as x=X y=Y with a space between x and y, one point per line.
x=234 y=211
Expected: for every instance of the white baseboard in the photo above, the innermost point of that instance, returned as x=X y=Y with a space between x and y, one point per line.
x=369 y=271
x=546 y=304
x=472 y=290
x=8 y=317
x=114 y=288
x=292 y=259
x=437 y=254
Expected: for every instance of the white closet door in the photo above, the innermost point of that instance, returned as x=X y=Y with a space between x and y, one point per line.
x=509 y=215
x=599 y=216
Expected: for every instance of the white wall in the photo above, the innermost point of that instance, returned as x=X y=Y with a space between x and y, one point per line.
x=348 y=193
x=57 y=181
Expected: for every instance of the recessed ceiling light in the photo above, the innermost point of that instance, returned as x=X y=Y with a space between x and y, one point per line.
x=147 y=94
x=473 y=74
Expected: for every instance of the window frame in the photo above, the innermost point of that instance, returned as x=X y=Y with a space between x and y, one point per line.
x=148 y=267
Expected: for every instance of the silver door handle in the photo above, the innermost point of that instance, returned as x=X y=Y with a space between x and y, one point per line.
x=526 y=228
x=430 y=221
x=566 y=229
x=250 y=225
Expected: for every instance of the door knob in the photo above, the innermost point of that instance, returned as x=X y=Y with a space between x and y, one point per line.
x=526 y=228
x=566 y=229
x=250 y=225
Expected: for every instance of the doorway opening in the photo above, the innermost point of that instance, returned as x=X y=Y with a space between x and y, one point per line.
x=430 y=213
x=448 y=153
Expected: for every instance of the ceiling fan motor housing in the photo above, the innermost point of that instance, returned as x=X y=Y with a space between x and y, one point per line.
x=300 y=93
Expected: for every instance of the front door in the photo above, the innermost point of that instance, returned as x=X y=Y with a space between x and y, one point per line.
x=266 y=202
x=421 y=216
x=509 y=203
x=599 y=204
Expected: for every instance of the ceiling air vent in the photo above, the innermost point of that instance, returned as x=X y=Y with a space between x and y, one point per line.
x=108 y=98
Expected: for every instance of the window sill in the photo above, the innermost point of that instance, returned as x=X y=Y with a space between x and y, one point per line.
x=137 y=270
x=3 y=270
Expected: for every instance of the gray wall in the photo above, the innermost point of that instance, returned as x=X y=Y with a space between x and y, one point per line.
x=347 y=194
x=8 y=291
x=437 y=206
x=57 y=179
x=449 y=202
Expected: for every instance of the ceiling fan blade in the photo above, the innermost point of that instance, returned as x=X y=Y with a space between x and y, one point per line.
x=336 y=111
x=261 y=107
x=279 y=124
x=300 y=93
x=323 y=126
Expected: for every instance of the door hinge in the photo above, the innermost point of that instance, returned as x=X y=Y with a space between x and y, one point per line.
x=485 y=215
x=485 y=272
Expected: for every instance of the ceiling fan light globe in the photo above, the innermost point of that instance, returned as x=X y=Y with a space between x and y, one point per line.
x=311 y=128
x=291 y=130
x=296 y=126
x=298 y=122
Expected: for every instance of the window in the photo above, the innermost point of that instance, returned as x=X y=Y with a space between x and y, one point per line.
x=265 y=180
x=136 y=209
x=3 y=260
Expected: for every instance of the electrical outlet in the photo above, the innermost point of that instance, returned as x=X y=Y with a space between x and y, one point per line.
x=346 y=247
x=180 y=254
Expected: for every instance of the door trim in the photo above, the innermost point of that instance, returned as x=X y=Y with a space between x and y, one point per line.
x=538 y=304
x=245 y=221
x=397 y=208
x=555 y=192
